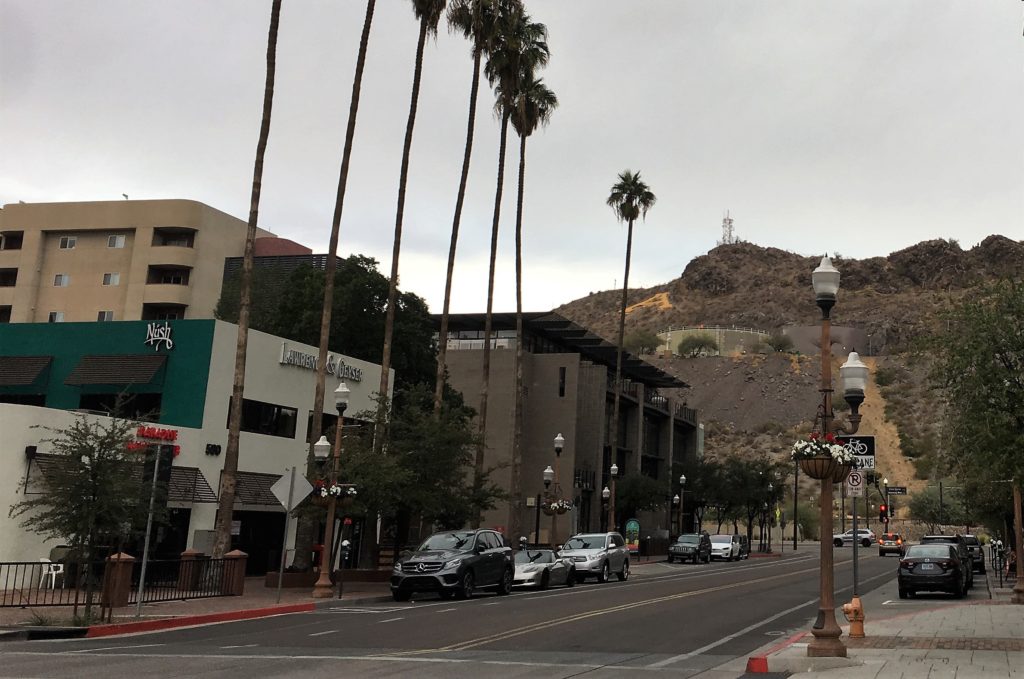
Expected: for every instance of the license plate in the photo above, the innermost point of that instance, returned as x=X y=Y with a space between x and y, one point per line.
x=927 y=566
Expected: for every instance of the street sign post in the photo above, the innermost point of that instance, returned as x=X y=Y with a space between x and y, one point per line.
x=855 y=485
x=289 y=491
x=862 y=448
x=897 y=490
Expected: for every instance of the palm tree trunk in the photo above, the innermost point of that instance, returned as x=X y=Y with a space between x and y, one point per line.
x=306 y=527
x=226 y=501
x=389 y=319
x=618 y=348
x=516 y=490
x=442 y=343
x=485 y=383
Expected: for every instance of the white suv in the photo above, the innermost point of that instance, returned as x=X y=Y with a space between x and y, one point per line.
x=865 y=536
x=725 y=547
x=598 y=555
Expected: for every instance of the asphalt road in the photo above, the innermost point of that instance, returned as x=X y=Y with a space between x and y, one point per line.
x=685 y=620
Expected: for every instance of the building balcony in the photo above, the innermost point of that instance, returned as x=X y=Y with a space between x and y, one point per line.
x=181 y=256
x=167 y=294
x=653 y=399
x=687 y=415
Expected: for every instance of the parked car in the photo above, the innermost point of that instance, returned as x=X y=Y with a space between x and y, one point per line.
x=864 y=535
x=542 y=568
x=961 y=548
x=691 y=547
x=932 y=567
x=597 y=555
x=725 y=547
x=891 y=543
x=455 y=563
x=744 y=546
x=977 y=555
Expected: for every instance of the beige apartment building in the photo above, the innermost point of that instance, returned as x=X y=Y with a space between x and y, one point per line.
x=114 y=260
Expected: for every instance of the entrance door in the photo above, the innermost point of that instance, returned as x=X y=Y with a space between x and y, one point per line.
x=259 y=536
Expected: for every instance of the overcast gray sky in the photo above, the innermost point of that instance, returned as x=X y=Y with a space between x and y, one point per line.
x=862 y=127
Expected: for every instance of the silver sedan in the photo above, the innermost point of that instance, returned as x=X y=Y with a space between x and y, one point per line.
x=540 y=568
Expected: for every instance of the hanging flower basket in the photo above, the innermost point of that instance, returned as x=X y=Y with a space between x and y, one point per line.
x=323 y=491
x=821 y=467
x=552 y=506
x=822 y=457
x=841 y=472
x=547 y=509
x=318 y=500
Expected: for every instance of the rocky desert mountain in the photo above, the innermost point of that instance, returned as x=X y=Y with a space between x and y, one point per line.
x=756 y=403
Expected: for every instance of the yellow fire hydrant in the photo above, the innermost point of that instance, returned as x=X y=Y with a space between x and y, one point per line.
x=854 y=613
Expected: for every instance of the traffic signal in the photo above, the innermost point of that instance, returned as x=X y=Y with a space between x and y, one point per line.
x=883 y=513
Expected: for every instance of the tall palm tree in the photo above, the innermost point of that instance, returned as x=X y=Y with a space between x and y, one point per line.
x=228 y=478
x=429 y=13
x=519 y=48
x=306 y=526
x=476 y=20
x=630 y=198
x=532 y=106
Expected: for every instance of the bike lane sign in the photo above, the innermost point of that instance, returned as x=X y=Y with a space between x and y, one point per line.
x=863 y=449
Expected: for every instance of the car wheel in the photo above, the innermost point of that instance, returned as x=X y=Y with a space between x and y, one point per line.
x=707 y=559
x=505 y=586
x=670 y=558
x=399 y=595
x=465 y=590
x=446 y=594
x=837 y=543
x=624 y=573
x=881 y=553
x=571 y=579
x=958 y=590
x=865 y=542
x=605 y=573
x=695 y=559
x=903 y=593
x=545 y=580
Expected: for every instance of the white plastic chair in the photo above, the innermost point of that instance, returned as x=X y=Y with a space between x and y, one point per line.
x=51 y=570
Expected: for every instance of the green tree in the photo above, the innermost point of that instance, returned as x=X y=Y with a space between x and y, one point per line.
x=228 y=477
x=630 y=198
x=477 y=21
x=641 y=342
x=429 y=14
x=779 y=342
x=519 y=47
x=693 y=346
x=980 y=371
x=91 y=493
x=635 y=493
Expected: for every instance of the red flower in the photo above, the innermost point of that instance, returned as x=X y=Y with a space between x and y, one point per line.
x=814 y=436
x=830 y=437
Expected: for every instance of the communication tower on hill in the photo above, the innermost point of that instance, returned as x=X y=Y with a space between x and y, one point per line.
x=728 y=236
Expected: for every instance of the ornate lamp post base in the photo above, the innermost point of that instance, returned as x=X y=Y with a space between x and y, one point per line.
x=323 y=590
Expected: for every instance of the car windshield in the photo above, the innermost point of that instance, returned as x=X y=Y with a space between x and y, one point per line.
x=948 y=539
x=891 y=536
x=586 y=542
x=721 y=538
x=447 y=541
x=971 y=540
x=928 y=551
x=525 y=556
x=689 y=539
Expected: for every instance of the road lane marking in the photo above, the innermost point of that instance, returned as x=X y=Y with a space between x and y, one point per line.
x=491 y=603
x=114 y=648
x=444 y=610
x=242 y=646
x=391 y=620
x=730 y=637
x=320 y=634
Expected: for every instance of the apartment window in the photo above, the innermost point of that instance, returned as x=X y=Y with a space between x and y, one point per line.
x=56 y=317
x=561 y=382
x=11 y=240
x=115 y=241
x=8 y=278
x=271 y=419
x=5 y=314
x=159 y=275
x=68 y=242
x=61 y=280
x=105 y=316
x=174 y=237
x=112 y=278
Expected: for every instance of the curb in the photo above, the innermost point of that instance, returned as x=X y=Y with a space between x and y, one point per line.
x=758 y=664
x=42 y=633
x=190 y=620
x=328 y=603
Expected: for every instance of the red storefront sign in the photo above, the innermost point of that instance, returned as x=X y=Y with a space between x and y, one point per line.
x=154 y=433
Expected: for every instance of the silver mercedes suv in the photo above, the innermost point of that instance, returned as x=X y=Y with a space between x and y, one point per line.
x=597 y=555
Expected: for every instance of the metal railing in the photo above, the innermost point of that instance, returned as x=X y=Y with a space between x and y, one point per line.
x=179 y=579
x=42 y=583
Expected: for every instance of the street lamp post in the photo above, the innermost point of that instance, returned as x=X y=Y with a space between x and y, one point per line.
x=605 y=495
x=559 y=444
x=682 y=497
x=549 y=476
x=771 y=513
x=322 y=588
x=885 y=482
x=825 y=280
x=613 y=472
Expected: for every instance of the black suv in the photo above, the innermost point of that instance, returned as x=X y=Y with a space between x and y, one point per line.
x=690 y=547
x=455 y=563
x=977 y=555
x=962 y=551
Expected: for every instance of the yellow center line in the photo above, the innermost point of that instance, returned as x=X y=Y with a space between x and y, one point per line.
x=519 y=631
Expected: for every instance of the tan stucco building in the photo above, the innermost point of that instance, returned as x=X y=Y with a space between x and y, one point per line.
x=114 y=260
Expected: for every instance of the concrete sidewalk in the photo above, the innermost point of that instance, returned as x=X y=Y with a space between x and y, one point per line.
x=983 y=637
x=257 y=597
